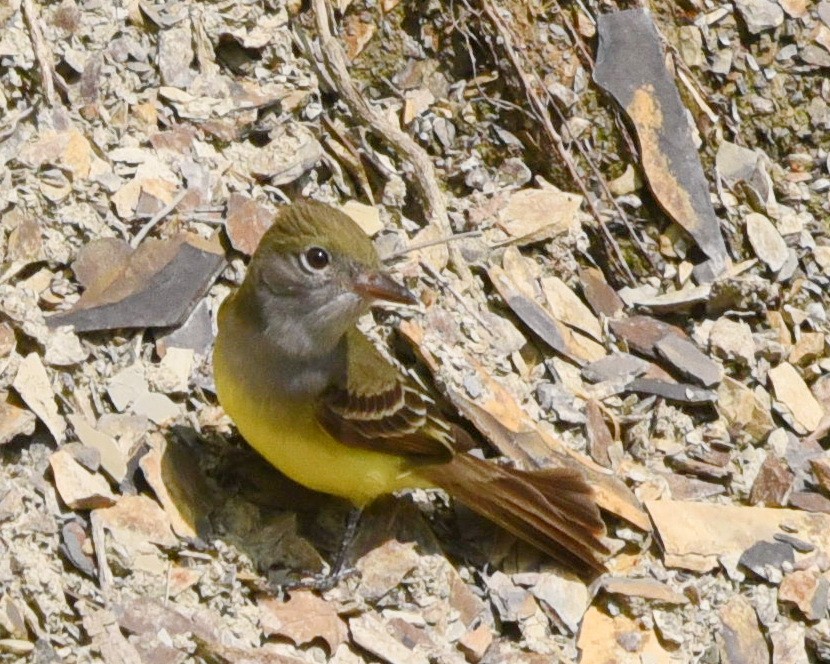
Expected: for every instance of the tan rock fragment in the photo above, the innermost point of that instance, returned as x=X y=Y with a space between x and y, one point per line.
x=821 y=255
x=79 y=488
x=775 y=319
x=743 y=411
x=622 y=640
x=126 y=386
x=732 y=340
x=821 y=469
x=807 y=590
x=369 y=632
x=158 y=408
x=416 y=102
x=650 y=589
x=14 y=420
x=365 y=216
x=172 y=374
x=791 y=390
x=627 y=183
x=18 y=647
x=808 y=348
x=113 y=459
x=135 y=521
x=740 y=640
x=437 y=255
x=384 y=567
x=532 y=215
x=766 y=241
x=788 y=643
x=475 y=643
x=32 y=384
x=182 y=578
x=182 y=517
x=695 y=535
x=567 y=307
x=302 y=618
x=795 y=9
x=246 y=221
x=772 y=484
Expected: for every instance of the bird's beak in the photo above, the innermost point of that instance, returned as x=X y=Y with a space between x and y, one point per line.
x=380 y=286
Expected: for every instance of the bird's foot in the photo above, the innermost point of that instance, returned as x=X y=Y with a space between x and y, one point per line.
x=320 y=582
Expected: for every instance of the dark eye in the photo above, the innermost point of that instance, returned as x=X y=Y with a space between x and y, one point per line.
x=315 y=259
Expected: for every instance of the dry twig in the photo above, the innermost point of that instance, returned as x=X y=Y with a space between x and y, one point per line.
x=161 y=214
x=423 y=171
x=42 y=53
x=541 y=114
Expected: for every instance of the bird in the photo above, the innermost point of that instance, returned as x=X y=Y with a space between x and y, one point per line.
x=315 y=397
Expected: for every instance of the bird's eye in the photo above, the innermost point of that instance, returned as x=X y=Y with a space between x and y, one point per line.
x=315 y=259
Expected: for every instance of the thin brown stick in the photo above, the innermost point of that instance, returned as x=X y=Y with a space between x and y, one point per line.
x=423 y=172
x=161 y=214
x=43 y=55
x=541 y=113
x=431 y=243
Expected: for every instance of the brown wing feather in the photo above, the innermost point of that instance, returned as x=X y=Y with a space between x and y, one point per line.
x=552 y=509
x=376 y=408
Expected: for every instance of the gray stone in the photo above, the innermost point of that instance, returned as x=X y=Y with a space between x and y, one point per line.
x=766 y=559
x=760 y=15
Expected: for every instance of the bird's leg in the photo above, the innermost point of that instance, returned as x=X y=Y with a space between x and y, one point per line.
x=352 y=522
x=324 y=582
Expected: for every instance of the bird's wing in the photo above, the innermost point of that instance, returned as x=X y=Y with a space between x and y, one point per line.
x=375 y=407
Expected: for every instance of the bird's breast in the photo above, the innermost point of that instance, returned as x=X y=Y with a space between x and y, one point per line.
x=284 y=428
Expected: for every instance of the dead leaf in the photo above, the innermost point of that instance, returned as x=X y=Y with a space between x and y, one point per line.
x=157 y=286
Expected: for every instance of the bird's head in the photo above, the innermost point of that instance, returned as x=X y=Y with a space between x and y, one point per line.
x=314 y=273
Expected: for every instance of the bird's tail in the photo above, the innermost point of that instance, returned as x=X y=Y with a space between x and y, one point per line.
x=552 y=509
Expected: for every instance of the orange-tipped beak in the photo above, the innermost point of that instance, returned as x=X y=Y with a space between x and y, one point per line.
x=380 y=286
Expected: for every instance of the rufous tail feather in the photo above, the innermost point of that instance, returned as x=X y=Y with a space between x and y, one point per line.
x=551 y=509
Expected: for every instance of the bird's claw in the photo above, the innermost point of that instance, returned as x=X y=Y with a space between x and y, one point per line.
x=320 y=582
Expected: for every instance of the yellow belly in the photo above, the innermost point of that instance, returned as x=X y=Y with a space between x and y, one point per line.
x=290 y=439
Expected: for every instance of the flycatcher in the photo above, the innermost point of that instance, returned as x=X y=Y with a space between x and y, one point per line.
x=314 y=397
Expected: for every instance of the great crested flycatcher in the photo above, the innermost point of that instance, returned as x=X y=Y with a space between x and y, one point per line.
x=314 y=397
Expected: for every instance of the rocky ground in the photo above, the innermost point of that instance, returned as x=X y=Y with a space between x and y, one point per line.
x=636 y=286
